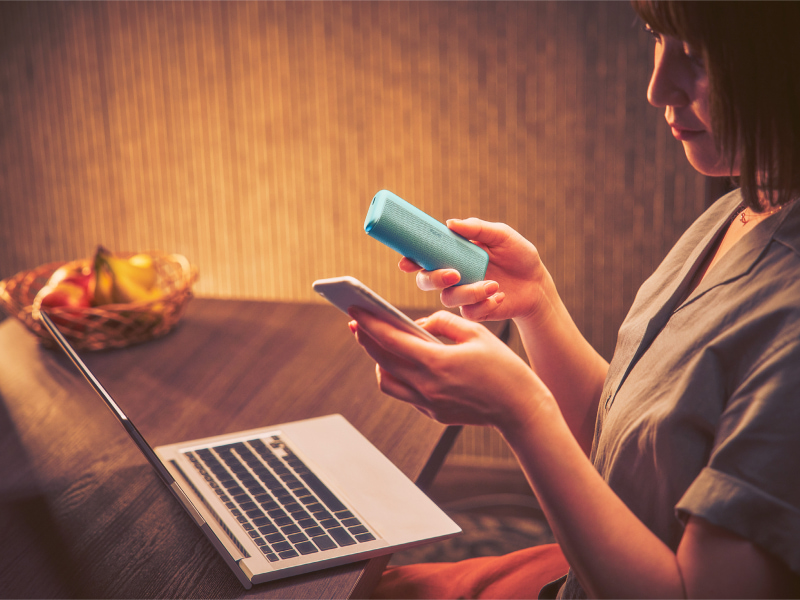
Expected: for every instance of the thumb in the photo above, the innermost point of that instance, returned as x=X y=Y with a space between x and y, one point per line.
x=484 y=232
x=448 y=325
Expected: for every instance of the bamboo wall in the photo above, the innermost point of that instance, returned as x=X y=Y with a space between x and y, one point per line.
x=251 y=136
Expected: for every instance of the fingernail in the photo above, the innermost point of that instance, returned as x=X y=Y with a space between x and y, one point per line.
x=451 y=277
x=353 y=326
x=498 y=298
x=490 y=287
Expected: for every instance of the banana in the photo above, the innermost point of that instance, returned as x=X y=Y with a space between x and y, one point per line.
x=104 y=283
x=127 y=290
x=124 y=280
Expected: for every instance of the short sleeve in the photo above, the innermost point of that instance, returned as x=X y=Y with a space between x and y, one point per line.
x=751 y=484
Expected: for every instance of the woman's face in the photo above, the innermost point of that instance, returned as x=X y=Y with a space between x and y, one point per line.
x=680 y=84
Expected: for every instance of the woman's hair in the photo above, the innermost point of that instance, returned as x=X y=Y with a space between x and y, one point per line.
x=752 y=56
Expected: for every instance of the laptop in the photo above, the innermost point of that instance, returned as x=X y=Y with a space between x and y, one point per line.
x=290 y=498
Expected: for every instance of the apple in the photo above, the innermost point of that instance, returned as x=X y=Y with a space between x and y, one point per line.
x=70 y=289
x=66 y=294
x=79 y=275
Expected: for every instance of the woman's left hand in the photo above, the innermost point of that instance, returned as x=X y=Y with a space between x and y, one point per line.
x=477 y=380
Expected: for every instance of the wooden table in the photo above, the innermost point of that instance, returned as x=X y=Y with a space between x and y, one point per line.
x=81 y=512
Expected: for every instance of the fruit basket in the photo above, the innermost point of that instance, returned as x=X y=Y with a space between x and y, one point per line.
x=109 y=325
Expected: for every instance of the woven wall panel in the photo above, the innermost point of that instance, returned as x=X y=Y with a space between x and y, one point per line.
x=251 y=137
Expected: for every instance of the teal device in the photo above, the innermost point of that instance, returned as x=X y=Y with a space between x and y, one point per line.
x=428 y=242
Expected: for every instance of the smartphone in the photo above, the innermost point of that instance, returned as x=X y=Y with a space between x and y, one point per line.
x=344 y=292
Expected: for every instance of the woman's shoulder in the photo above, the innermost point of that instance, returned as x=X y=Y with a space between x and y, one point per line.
x=788 y=233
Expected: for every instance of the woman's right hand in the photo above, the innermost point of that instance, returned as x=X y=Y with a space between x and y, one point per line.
x=515 y=281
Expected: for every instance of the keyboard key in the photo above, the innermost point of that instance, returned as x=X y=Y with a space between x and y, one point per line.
x=307 y=523
x=350 y=522
x=273 y=538
x=341 y=536
x=306 y=548
x=315 y=531
x=323 y=542
x=288 y=554
x=358 y=529
x=271 y=556
x=365 y=537
x=281 y=546
x=296 y=538
x=265 y=501
x=235 y=490
x=328 y=523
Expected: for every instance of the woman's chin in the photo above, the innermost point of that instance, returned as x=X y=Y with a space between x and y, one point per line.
x=707 y=161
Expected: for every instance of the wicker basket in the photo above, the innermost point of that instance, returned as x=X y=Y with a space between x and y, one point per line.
x=109 y=325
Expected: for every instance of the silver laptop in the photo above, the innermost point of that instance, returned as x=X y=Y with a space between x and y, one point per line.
x=291 y=498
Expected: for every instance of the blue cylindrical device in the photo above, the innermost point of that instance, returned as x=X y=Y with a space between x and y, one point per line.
x=418 y=236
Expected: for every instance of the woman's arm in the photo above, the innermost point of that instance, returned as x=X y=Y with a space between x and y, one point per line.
x=478 y=380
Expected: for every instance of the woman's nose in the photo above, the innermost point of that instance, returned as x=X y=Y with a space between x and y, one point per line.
x=669 y=83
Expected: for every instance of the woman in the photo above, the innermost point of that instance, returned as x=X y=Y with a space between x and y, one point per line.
x=673 y=470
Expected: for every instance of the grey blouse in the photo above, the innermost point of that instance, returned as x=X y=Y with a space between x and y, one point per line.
x=700 y=412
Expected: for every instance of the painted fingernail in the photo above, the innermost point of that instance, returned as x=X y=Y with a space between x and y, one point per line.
x=490 y=287
x=353 y=326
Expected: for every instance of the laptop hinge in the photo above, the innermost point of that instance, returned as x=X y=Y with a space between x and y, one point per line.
x=187 y=504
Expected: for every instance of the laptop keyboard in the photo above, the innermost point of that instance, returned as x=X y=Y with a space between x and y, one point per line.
x=284 y=507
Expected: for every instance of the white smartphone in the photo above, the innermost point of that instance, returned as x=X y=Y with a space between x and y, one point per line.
x=344 y=292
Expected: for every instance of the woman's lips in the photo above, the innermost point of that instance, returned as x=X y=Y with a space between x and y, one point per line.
x=686 y=135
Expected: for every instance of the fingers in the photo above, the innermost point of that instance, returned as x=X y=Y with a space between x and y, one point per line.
x=430 y=280
x=446 y=324
x=437 y=280
x=408 y=266
x=488 y=234
x=392 y=386
x=482 y=311
x=469 y=294
x=385 y=343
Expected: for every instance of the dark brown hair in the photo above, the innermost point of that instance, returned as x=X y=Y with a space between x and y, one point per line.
x=752 y=55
